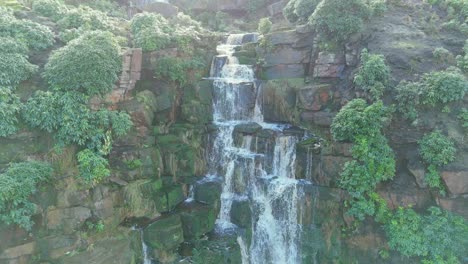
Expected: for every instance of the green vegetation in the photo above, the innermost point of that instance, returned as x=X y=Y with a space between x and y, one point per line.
x=443 y=56
x=357 y=118
x=179 y=70
x=14 y=65
x=264 y=26
x=337 y=19
x=373 y=160
x=373 y=75
x=434 y=88
x=438 y=237
x=89 y=64
x=19 y=182
x=436 y=150
x=457 y=14
x=9 y=108
x=462 y=61
x=71 y=120
x=52 y=9
x=463 y=118
x=34 y=35
x=92 y=166
x=298 y=11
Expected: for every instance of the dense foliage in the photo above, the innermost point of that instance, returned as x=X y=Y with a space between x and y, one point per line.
x=264 y=26
x=14 y=67
x=373 y=75
x=34 y=35
x=53 y=9
x=338 y=19
x=179 y=70
x=462 y=61
x=9 y=108
x=298 y=11
x=438 y=237
x=89 y=64
x=71 y=120
x=19 y=182
x=92 y=166
x=434 y=88
x=358 y=119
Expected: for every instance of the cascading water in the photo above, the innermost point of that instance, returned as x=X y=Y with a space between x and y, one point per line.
x=265 y=179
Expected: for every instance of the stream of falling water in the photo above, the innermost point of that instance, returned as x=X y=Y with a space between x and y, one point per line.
x=266 y=180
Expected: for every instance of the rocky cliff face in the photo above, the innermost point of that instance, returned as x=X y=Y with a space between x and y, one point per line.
x=155 y=167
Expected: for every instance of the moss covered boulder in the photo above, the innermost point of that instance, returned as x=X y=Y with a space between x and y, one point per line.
x=168 y=198
x=197 y=220
x=165 y=233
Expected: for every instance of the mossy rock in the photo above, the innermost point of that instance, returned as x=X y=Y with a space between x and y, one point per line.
x=197 y=220
x=241 y=214
x=168 y=198
x=221 y=250
x=208 y=192
x=197 y=113
x=165 y=233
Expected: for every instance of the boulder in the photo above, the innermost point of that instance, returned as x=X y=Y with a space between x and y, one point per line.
x=247 y=128
x=329 y=65
x=456 y=179
x=315 y=97
x=323 y=119
x=196 y=113
x=279 y=99
x=330 y=169
x=57 y=245
x=418 y=199
x=287 y=55
x=197 y=220
x=67 y=219
x=165 y=233
x=168 y=198
x=18 y=251
x=283 y=71
x=418 y=171
x=208 y=192
x=241 y=214
x=276 y=9
x=454 y=205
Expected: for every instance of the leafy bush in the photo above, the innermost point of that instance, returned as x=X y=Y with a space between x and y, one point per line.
x=179 y=70
x=408 y=98
x=14 y=68
x=439 y=237
x=151 y=31
x=299 y=10
x=264 y=26
x=358 y=119
x=10 y=45
x=92 y=166
x=463 y=117
x=437 y=149
x=68 y=115
x=19 y=182
x=89 y=64
x=373 y=162
x=9 y=108
x=373 y=75
x=443 y=87
x=49 y=8
x=462 y=61
x=338 y=19
x=87 y=18
x=34 y=35
x=442 y=55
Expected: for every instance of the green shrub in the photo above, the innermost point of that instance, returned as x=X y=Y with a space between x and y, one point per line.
x=439 y=237
x=442 y=55
x=149 y=20
x=10 y=45
x=373 y=75
x=408 y=98
x=264 y=26
x=299 y=10
x=9 y=108
x=358 y=119
x=19 y=182
x=71 y=120
x=90 y=64
x=338 y=19
x=49 y=8
x=151 y=39
x=14 y=68
x=463 y=118
x=87 y=18
x=179 y=70
x=34 y=35
x=443 y=87
x=92 y=166
x=373 y=162
x=462 y=61
x=437 y=149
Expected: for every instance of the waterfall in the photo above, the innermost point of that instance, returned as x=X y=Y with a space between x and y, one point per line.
x=267 y=179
